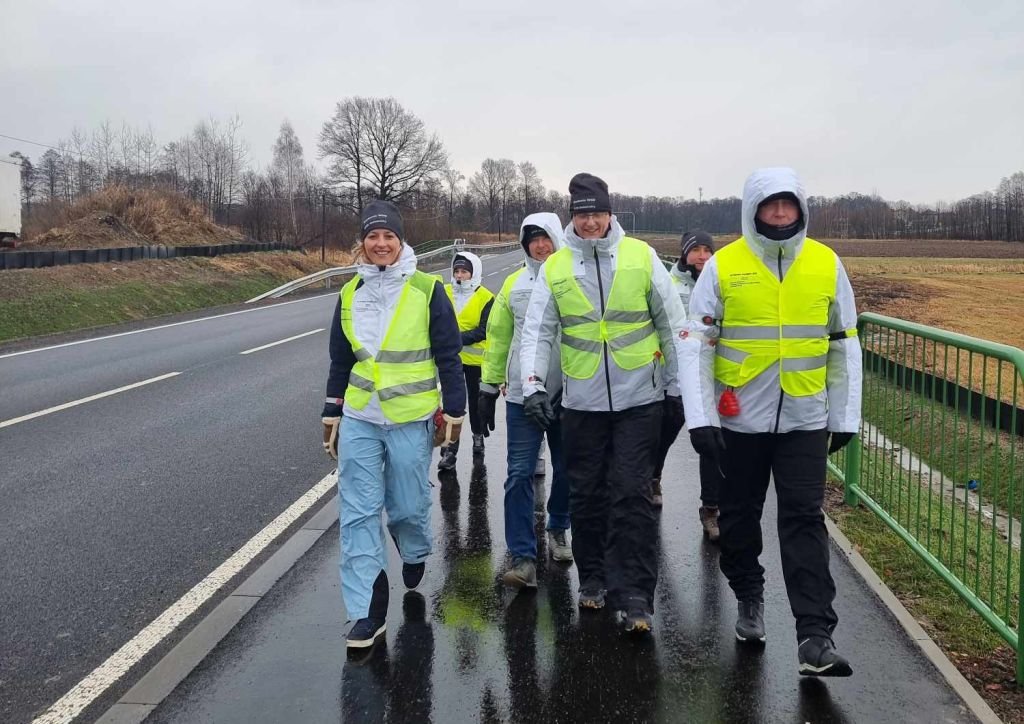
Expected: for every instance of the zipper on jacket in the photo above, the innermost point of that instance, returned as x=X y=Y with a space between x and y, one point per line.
x=604 y=345
x=782 y=394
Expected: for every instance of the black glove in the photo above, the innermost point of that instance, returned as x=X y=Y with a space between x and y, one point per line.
x=331 y=409
x=485 y=405
x=672 y=412
x=708 y=441
x=838 y=440
x=537 y=407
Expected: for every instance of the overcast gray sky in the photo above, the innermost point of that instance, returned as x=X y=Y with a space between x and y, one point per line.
x=922 y=101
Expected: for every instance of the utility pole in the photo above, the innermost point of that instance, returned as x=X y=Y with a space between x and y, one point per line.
x=323 y=226
x=700 y=194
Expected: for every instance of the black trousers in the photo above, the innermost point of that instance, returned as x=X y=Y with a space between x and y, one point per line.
x=796 y=460
x=472 y=373
x=710 y=476
x=609 y=458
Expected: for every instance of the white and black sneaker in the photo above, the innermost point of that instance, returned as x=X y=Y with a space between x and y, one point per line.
x=365 y=633
x=750 y=621
x=818 y=657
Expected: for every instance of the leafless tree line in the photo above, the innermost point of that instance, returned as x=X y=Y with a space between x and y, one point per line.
x=375 y=148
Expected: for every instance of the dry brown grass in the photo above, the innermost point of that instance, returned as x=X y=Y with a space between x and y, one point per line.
x=119 y=216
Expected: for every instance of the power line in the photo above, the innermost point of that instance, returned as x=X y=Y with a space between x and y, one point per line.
x=13 y=163
x=25 y=140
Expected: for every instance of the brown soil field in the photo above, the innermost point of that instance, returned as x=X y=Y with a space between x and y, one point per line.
x=875 y=248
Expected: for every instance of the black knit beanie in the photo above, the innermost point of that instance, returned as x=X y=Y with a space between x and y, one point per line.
x=697 y=237
x=780 y=233
x=588 y=193
x=461 y=262
x=381 y=215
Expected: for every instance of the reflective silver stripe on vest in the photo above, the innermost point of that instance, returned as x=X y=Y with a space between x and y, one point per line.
x=583 y=345
x=474 y=349
x=571 y=320
x=361 y=382
x=361 y=354
x=392 y=356
x=633 y=337
x=409 y=388
x=731 y=354
x=803 y=331
x=615 y=315
x=789 y=331
x=804 y=364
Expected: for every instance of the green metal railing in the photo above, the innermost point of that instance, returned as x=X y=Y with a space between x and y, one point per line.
x=939 y=459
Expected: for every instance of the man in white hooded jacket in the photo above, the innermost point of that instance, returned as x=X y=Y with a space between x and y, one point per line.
x=540 y=236
x=614 y=305
x=771 y=374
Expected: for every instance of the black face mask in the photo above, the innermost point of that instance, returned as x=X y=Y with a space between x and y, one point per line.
x=779 y=233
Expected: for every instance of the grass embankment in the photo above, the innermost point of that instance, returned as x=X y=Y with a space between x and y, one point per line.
x=60 y=299
x=963 y=539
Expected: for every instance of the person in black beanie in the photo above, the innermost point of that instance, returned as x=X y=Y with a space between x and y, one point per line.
x=697 y=247
x=608 y=301
x=379 y=415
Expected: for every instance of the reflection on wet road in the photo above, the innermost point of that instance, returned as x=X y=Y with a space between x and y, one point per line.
x=466 y=649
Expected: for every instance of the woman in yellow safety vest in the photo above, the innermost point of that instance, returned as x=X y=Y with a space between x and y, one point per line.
x=393 y=339
x=472 y=302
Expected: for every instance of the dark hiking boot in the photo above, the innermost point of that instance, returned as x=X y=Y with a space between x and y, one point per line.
x=592 y=597
x=522 y=574
x=412 y=574
x=635 y=618
x=365 y=633
x=478 y=445
x=709 y=521
x=750 y=621
x=818 y=657
x=558 y=546
x=656 y=492
x=539 y=470
x=449 y=455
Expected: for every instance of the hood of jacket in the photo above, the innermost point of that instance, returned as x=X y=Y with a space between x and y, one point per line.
x=467 y=287
x=604 y=245
x=551 y=224
x=761 y=184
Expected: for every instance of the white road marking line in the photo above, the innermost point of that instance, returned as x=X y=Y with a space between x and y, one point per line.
x=70 y=705
x=90 y=398
x=166 y=326
x=282 y=341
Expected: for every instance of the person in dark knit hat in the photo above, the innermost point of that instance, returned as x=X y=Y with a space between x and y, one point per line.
x=612 y=301
x=697 y=246
x=383 y=442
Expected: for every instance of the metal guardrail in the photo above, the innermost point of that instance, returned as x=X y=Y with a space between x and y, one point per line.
x=943 y=469
x=428 y=258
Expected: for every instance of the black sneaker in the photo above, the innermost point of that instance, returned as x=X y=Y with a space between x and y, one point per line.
x=635 y=618
x=448 y=457
x=412 y=574
x=365 y=633
x=478 y=444
x=750 y=621
x=818 y=657
x=592 y=597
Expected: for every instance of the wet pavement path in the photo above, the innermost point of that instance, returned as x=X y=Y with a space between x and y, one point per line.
x=465 y=649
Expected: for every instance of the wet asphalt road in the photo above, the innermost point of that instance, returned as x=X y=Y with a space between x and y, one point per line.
x=465 y=649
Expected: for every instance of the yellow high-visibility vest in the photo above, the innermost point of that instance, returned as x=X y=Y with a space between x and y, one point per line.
x=402 y=373
x=626 y=327
x=767 y=322
x=469 y=318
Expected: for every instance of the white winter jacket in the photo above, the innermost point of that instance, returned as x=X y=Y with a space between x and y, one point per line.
x=764 y=407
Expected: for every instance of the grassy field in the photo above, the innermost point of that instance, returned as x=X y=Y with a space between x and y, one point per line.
x=60 y=299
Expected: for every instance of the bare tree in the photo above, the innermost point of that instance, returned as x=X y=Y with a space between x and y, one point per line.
x=486 y=186
x=378 y=147
x=532 y=189
x=452 y=180
x=507 y=176
x=289 y=166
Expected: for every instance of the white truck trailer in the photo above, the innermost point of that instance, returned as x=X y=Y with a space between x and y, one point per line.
x=10 y=203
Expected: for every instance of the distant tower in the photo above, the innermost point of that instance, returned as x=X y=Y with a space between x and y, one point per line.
x=700 y=194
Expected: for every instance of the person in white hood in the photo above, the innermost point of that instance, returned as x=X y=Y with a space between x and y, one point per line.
x=771 y=374
x=606 y=302
x=472 y=302
x=393 y=338
x=540 y=235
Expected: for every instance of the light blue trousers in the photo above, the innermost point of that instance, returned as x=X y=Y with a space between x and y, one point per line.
x=381 y=467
